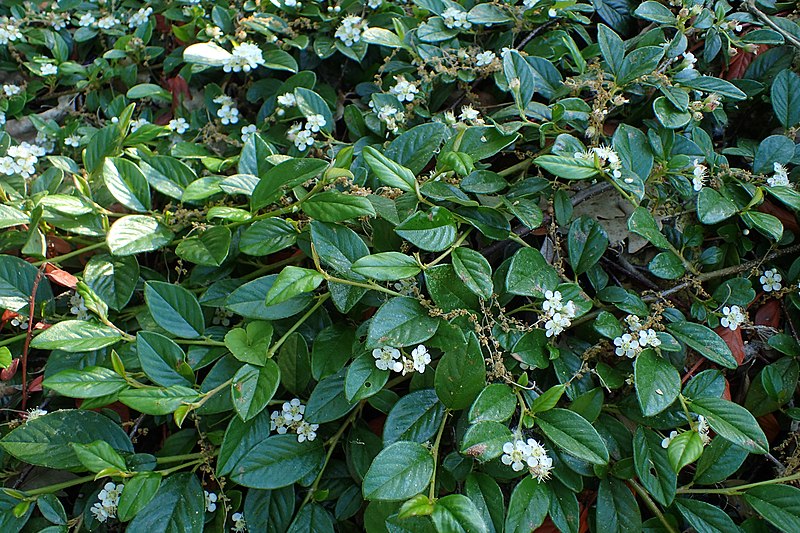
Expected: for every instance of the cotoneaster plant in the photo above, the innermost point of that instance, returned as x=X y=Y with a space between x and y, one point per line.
x=377 y=266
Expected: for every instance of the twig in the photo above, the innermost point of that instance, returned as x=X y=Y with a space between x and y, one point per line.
x=791 y=39
x=28 y=335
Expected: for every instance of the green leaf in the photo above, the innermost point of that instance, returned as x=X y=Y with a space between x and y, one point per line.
x=415 y=417
x=573 y=434
x=135 y=234
x=127 y=184
x=779 y=504
x=657 y=382
x=684 y=449
x=277 y=461
x=447 y=291
x=381 y=37
x=253 y=387
x=711 y=84
x=312 y=518
x=387 y=266
x=484 y=441
x=617 y=509
x=642 y=223
x=528 y=506
x=178 y=505
x=158 y=401
x=611 y=47
x=250 y=345
x=160 y=358
x=45 y=441
x=704 y=341
x=295 y=364
x=398 y=472
x=76 y=336
x=112 y=278
x=210 y=248
x=310 y=103
x=99 y=455
x=667 y=265
x=485 y=493
x=17 y=278
x=719 y=460
x=587 y=242
x=639 y=62
x=248 y=301
x=564 y=509
x=517 y=71
x=363 y=378
x=767 y=224
x=773 y=149
x=52 y=509
x=279 y=60
x=547 y=400
x=334 y=206
x=282 y=177
x=333 y=347
x=712 y=207
x=11 y=216
x=461 y=375
x=139 y=491
x=433 y=231
x=328 y=401
x=88 y=382
x=785 y=96
x=175 y=309
x=474 y=271
x=400 y=322
x=653 y=466
x=5 y=357
x=264 y=237
x=529 y=274
x=387 y=171
x=240 y=437
x=670 y=116
x=568 y=167
x=456 y=513
x=271 y=509
x=291 y=282
x=732 y=422
x=704 y=517
x=496 y=402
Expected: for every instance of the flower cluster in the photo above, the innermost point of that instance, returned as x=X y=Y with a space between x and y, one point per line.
x=178 y=125
x=699 y=173
x=455 y=18
x=228 y=112
x=21 y=159
x=9 y=31
x=141 y=17
x=770 y=280
x=637 y=339
x=245 y=57
x=78 y=307
x=605 y=157
x=211 y=501
x=303 y=136
x=290 y=417
x=558 y=315
x=404 y=90
x=520 y=454
x=239 y=525
x=388 y=358
x=391 y=116
x=732 y=317
x=350 y=30
x=109 y=500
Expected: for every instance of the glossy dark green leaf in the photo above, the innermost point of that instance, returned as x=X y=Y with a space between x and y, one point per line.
x=178 y=505
x=253 y=387
x=277 y=461
x=657 y=382
x=175 y=309
x=400 y=471
x=573 y=434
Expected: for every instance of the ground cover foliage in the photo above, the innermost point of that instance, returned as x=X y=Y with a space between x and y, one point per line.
x=408 y=267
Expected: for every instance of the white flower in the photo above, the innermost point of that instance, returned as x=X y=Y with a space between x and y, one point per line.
x=386 y=358
x=608 y=157
x=228 y=115
x=101 y=514
x=239 y=525
x=178 y=125
x=58 y=20
x=771 y=280
x=78 y=306
x=247 y=132
x=140 y=17
x=9 y=31
x=665 y=442
x=73 y=140
x=278 y=422
x=138 y=123
x=702 y=429
x=86 y=20
x=306 y=431
x=699 y=173
x=109 y=496
x=485 y=59
x=539 y=464
x=304 y=139
x=374 y=4
x=49 y=69
x=245 y=57
x=404 y=89
x=649 y=338
x=779 y=179
x=468 y=113
x=391 y=116
x=11 y=89
x=626 y=346
x=408 y=366
x=634 y=323
x=21 y=159
x=556 y=325
x=515 y=454
x=293 y=130
x=456 y=18
x=35 y=413
x=733 y=317
x=107 y=22
x=222 y=317
x=211 y=501
x=224 y=100
x=349 y=31
x=315 y=122
x=421 y=358
x=293 y=410
x=688 y=62
x=287 y=100
x=20 y=322
x=530 y=4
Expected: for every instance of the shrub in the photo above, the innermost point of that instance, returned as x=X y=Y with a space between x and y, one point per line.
x=387 y=266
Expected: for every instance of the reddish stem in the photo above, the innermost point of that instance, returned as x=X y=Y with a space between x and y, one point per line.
x=31 y=316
